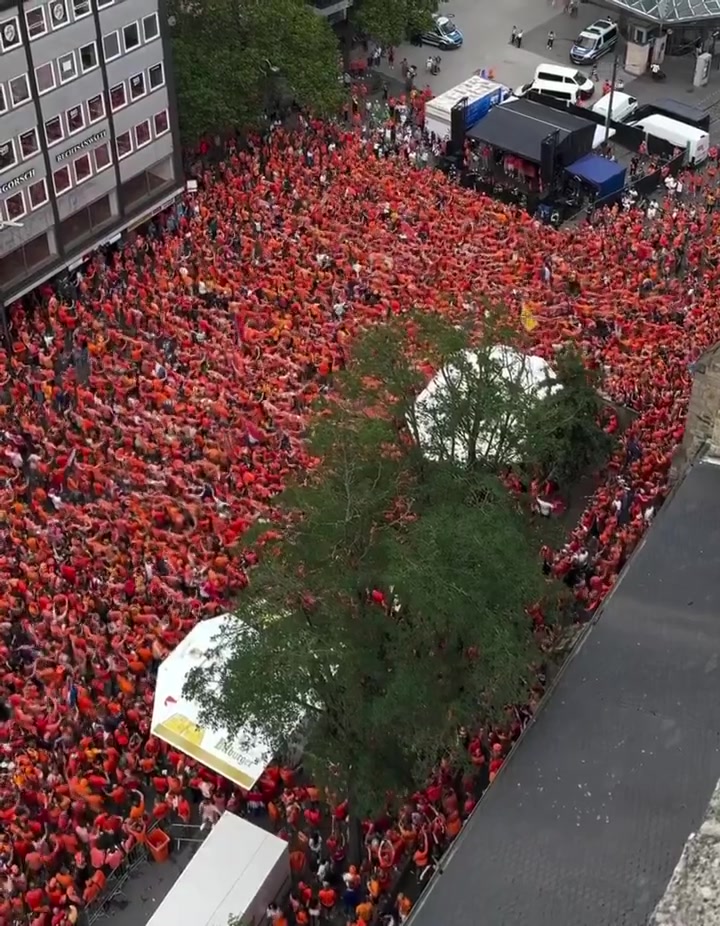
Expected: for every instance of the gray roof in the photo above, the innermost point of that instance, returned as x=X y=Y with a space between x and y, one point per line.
x=671 y=11
x=587 y=820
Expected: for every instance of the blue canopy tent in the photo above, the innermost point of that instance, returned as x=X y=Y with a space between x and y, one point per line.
x=606 y=176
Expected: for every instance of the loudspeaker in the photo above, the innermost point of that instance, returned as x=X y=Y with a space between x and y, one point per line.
x=457 y=126
x=548 y=153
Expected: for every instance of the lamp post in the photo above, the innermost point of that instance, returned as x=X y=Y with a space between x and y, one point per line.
x=608 y=114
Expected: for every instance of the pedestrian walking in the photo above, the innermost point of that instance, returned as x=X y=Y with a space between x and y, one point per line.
x=550 y=40
x=391 y=57
x=513 y=35
x=594 y=76
x=519 y=38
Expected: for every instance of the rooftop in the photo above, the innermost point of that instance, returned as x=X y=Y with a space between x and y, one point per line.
x=671 y=11
x=587 y=821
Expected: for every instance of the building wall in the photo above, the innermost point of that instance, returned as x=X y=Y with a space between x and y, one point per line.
x=702 y=425
x=88 y=126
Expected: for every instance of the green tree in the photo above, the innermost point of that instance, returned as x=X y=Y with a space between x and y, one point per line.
x=392 y=611
x=235 y=58
x=391 y=23
x=566 y=437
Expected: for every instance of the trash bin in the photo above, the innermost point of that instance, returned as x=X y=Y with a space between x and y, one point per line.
x=158 y=842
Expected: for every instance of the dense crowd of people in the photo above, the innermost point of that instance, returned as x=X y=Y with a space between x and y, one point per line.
x=151 y=412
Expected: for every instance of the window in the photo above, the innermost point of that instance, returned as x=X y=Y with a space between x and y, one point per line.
x=124 y=145
x=54 y=131
x=61 y=180
x=45 y=77
x=101 y=4
x=35 y=19
x=151 y=27
x=83 y=168
x=9 y=34
x=96 y=107
x=15 y=206
x=3 y=102
x=59 y=14
x=19 y=90
x=75 y=120
x=137 y=86
x=37 y=194
x=102 y=157
x=118 y=99
x=29 y=144
x=81 y=8
x=142 y=134
x=162 y=122
x=67 y=67
x=88 y=57
x=7 y=155
x=111 y=45
x=131 y=36
x=157 y=76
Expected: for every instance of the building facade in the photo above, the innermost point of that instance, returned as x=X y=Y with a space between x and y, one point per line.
x=88 y=130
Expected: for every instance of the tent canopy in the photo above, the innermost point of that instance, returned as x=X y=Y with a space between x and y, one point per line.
x=605 y=175
x=522 y=126
x=176 y=719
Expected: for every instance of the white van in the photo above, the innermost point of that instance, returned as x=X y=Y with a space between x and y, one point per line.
x=696 y=142
x=623 y=106
x=556 y=78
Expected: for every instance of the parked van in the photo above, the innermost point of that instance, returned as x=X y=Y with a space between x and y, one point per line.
x=696 y=142
x=594 y=41
x=623 y=106
x=556 y=78
x=682 y=112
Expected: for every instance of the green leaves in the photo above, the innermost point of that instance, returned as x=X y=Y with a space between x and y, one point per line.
x=390 y=23
x=236 y=58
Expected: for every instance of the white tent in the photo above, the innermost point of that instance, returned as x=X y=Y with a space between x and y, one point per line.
x=237 y=872
x=531 y=374
x=176 y=720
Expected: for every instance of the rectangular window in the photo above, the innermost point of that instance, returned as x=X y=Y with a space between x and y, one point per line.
x=137 y=86
x=81 y=8
x=67 y=67
x=29 y=144
x=45 y=77
x=3 y=101
x=131 y=36
x=19 y=90
x=9 y=34
x=15 y=206
x=75 y=120
x=83 y=168
x=36 y=24
x=142 y=134
x=8 y=158
x=37 y=194
x=151 y=27
x=102 y=157
x=156 y=75
x=58 y=14
x=54 y=131
x=88 y=57
x=111 y=45
x=101 y=4
x=118 y=99
x=96 y=108
x=61 y=180
x=124 y=145
x=161 y=122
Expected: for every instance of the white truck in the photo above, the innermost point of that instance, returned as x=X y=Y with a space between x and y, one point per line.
x=482 y=94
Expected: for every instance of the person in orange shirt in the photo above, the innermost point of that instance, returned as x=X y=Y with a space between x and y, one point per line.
x=364 y=911
x=327 y=896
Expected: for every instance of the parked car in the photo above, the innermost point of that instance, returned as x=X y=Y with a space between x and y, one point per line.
x=444 y=33
x=623 y=106
x=594 y=42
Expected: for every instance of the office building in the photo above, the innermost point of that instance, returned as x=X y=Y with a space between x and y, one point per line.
x=88 y=130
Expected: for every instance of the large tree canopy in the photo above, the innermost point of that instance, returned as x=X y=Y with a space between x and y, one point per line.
x=393 y=609
x=235 y=58
x=391 y=23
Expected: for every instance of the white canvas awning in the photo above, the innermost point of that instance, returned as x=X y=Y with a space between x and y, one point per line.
x=176 y=720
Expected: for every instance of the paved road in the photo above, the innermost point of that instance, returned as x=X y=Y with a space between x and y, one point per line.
x=588 y=818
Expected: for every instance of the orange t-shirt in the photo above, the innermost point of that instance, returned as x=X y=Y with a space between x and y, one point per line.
x=364 y=911
x=327 y=897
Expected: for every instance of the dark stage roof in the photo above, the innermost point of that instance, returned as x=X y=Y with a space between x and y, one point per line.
x=585 y=823
x=521 y=126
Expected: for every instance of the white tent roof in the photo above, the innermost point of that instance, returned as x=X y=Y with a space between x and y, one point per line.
x=532 y=374
x=242 y=758
x=223 y=878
